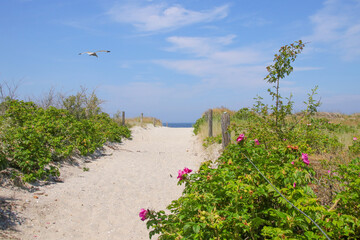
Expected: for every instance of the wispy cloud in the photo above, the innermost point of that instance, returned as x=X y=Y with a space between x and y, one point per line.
x=158 y=17
x=200 y=46
x=338 y=24
x=215 y=62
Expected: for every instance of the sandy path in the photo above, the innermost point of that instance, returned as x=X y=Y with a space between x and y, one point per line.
x=104 y=203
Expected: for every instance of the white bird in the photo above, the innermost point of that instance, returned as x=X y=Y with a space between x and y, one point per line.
x=94 y=53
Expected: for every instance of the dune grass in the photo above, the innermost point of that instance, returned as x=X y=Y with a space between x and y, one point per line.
x=132 y=122
x=350 y=125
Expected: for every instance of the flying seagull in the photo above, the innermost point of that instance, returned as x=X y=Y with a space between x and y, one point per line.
x=94 y=53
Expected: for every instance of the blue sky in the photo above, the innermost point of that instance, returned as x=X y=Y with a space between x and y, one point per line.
x=175 y=59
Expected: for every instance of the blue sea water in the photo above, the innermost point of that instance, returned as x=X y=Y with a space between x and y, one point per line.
x=179 y=125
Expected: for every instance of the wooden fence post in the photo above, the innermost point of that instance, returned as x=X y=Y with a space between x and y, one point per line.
x=210 y=122
x=123 y=118
x=141 y=118
x=225 y=122
x=154 y=122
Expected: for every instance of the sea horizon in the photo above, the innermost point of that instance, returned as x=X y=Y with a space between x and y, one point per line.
x=179 y=125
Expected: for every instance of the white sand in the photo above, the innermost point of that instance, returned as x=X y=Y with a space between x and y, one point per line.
x=104 y=202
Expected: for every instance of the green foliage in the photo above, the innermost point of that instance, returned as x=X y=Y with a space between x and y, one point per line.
x=280 y=68
x=211 y=140
x=243 y=114
x=33 y=139
x=83 y=105
x=198 y=123
x=355 y=147
x=349 y=176
x=234 y=201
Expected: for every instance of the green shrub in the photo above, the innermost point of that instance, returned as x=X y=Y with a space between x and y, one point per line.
x=33 y=138
x=211 y=140
x=198 y=123
x=355 y=147
x=237 y=199
x=233 y=201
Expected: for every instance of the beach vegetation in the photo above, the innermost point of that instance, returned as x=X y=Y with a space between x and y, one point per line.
x=33 y=140
x=285 y=175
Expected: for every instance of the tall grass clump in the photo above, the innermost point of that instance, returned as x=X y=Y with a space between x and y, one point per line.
x=136 y=121
x=201 y=128
x=265 y=185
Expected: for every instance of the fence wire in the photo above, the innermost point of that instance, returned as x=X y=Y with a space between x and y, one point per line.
x=288 y=200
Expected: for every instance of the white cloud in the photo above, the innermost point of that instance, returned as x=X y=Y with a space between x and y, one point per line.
x=338 y=24
x=159 y=17
x=199 y=45
x=216 y=64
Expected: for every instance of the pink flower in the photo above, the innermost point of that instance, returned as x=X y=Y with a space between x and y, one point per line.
x=186 y=170
x=329 y=171
x=143 y=214
x=305 y=158
x=284 y=139
x=292 y=162
x=294 y=185
x=182 y=172
x=257 y=141
x=309 y=124
x=240 y=138
x=354 y=138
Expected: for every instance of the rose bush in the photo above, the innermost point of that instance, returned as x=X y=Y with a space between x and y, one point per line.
x=32 y=139
x=233 y=199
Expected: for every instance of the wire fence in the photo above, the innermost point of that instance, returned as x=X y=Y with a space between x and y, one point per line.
x=286 y=198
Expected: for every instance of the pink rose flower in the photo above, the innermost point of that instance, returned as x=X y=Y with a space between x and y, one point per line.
x=143 y=214
x=294 y=185
x=329 y=171
x=182 y=172
x=354 y=138
x=292 y=162
x=305 y=158
x=186 y=170
x=257 y=141
x=240 y=138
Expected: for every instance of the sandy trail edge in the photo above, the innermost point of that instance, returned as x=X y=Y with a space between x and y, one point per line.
x=104 y=202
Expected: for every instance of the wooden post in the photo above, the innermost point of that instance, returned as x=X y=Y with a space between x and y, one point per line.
x=141 y=118
x=210 y=118
x=225 y=122
x=154 y=122
x=167 y=124
x=123 y=118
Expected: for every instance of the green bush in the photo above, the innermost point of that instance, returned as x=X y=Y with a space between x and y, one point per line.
x=211 y=140
x=235 y=200
x=355 y=147
x=198 y=123
x=33 y=138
